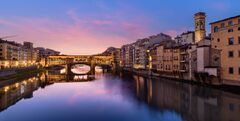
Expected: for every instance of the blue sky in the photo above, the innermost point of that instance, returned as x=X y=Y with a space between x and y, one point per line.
x=90 y=26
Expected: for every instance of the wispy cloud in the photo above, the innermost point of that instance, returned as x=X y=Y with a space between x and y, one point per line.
x=80 y=34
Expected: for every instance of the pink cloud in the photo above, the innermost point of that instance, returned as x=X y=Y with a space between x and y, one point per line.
x=79 y=35
x=133 y=29
x=73 y=38
x=102 y=22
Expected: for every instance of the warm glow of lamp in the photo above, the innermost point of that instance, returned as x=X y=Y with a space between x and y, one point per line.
x=6 y=88
x=17 y=85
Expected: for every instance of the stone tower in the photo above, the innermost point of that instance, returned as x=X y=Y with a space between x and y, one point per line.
x=200 y=30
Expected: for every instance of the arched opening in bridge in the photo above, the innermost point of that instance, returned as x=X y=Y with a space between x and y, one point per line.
x=57 y=69
x=80 y=69
x=98 y=69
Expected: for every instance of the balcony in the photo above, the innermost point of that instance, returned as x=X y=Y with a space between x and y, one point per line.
x=183 y=52
x=183 y=70
x=184 y=61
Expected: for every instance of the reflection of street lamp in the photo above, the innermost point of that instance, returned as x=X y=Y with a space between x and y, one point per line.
x=150 y=62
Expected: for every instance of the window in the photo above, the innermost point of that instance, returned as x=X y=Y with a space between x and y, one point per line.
x=215 y=29
x=222 y=25
x=230 y=23
x=218 y=40
x=230 y=54
x=239 y=53
x=231 y=41
x=238 y=40
x=239 y=70
x=238 y=28
x=239 y=21
x=230 y=30
x=230 y=70
x=231 y=107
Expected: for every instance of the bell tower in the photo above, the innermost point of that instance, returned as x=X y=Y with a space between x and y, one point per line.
x=200 y=30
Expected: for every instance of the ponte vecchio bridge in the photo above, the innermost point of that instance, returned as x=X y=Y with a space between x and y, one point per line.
x=68 y=61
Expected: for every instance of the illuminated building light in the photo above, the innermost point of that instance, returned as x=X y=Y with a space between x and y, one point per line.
x=17 y=85
x=6 y=88
x=24 y=82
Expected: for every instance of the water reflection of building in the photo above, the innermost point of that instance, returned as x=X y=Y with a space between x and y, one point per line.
x=12 y=93
x=192 y=102
x=230 y=108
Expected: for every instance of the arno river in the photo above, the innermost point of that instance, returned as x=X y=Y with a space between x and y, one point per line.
x=107 y=97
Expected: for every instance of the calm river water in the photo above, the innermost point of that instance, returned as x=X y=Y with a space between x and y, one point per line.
x=107 y=97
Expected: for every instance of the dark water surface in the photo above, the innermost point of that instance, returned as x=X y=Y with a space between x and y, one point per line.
x=113 y=98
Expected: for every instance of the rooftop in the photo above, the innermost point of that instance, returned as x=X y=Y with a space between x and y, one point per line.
x=200 y=13
x=225 y=19
x=10 y=42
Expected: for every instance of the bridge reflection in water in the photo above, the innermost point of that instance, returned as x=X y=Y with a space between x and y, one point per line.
x=80 y=72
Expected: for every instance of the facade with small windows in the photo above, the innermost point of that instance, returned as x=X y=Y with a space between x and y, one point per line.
x=169 y=60
x=226 y=37
x=15 y=55
x=126 y=56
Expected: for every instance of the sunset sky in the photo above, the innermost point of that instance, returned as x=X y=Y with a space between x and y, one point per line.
x=90 y=26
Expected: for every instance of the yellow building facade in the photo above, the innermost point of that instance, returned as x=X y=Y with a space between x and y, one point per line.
x=168 y=59
x=226 y=37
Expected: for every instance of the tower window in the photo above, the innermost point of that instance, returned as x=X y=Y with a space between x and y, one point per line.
x=230 y=23
x=218 y=40
x=230 y=70
x=238 y=28
x=230 y=30
x=231 y=107
x=238 y=40
x=231 y=41
x=215 y=29
x=239 y=70
x=230 y=54
x=222 y=25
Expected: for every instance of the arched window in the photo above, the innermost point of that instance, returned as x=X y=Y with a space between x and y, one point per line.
x=215 y=29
